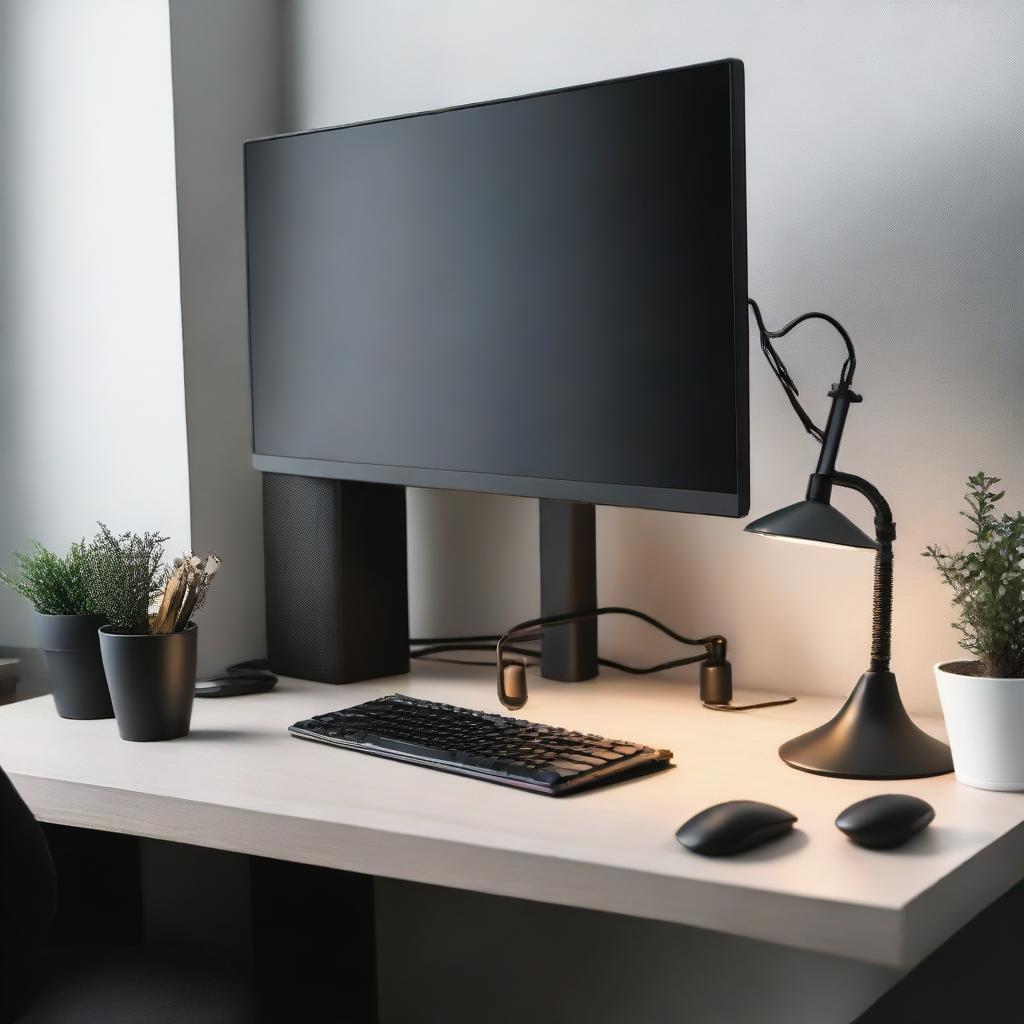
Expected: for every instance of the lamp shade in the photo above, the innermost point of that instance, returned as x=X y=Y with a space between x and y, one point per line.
x=813 y=521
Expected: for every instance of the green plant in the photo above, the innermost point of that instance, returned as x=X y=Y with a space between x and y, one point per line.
x=987 y=580
x=53 y=585
x=124 y=575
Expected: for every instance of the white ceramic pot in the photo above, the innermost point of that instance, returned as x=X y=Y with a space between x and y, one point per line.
x=985 y=721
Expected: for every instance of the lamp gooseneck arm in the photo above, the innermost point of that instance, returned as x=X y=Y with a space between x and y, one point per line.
x=885 y=534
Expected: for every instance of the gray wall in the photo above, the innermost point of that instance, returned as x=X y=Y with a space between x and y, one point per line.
x=92 y=407
x=124 y=385
x=884 y=153
x=226 y=89
x=884 y=187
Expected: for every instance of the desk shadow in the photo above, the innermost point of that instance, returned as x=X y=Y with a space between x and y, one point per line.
x=219 y=734
x=796 y=840
x=935 y=839
x=772 y=850
x=629 y=778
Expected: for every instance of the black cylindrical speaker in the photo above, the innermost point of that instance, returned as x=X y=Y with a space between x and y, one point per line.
x=336 y=578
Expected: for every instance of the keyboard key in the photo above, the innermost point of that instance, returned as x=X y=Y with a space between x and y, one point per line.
x=587 y=759
x=605 y=755
x=400 y=746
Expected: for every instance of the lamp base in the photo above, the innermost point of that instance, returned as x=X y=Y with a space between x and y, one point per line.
x=872 y=737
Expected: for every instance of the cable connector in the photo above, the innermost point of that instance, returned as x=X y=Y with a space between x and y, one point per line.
x=716 y=682
x=716 y=674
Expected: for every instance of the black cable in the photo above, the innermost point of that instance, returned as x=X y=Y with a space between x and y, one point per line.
x=465 y=661
x=779 y=367
x=849 y=366
x=652 y=669
x=604 y=662
x=452 y=648
x=556 y=620
x=749 y=707
x=431 y=653
x=431 y=647
x=482 y=639
x=444 y=645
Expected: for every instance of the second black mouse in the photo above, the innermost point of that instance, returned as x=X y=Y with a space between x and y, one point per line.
x=882 y=822
x=733 y=827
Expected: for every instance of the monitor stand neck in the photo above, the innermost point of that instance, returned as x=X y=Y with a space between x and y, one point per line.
x=568 y=583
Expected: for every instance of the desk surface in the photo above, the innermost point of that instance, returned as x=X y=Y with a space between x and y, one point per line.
x=240 y=782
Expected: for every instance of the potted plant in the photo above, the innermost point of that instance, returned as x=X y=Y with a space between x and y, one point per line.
x=66 y=623
x=983 y=698
x=150 y=659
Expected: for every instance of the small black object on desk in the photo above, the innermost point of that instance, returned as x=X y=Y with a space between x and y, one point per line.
x=238 y=680
x=884 y=822
x=732 y=827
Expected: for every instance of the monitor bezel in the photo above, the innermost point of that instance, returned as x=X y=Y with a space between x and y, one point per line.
x=724 y=503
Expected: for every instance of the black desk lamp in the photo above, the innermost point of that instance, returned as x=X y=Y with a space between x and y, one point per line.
x=872 y=736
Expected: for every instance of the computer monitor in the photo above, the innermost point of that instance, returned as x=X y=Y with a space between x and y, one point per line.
x=542 y=296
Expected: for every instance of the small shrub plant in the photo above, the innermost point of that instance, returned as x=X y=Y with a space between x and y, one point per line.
x=987 y=581
x=124 y=574
x=52 y=584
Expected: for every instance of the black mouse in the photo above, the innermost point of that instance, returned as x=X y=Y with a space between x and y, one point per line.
x=882 y=822
x=733 y=827
x=236 y=684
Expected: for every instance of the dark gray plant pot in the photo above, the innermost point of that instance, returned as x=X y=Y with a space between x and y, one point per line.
x=152 y=681
x=72 y=649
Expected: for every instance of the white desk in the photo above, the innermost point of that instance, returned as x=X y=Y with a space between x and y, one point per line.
x=240 y=782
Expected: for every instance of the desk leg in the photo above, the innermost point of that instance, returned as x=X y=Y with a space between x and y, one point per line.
x=975 y=976
x=98 y=879
x=314 y=942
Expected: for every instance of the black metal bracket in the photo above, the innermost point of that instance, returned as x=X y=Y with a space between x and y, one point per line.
x=568 y=584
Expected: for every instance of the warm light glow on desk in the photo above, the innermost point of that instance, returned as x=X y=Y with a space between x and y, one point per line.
x=814 y=543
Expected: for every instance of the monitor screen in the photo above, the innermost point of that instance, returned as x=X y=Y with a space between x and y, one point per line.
x=541 y=296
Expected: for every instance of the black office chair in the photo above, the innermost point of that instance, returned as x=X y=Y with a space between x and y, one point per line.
x=86 y=984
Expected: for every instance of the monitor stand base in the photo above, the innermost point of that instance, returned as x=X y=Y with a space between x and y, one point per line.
x=568 y=583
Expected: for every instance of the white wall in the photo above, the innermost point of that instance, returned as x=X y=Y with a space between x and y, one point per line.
x=883 y=183
x=883 y=165
x=92 y=415
x=226 y=89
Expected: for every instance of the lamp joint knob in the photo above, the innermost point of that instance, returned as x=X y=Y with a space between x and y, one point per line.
x=844 y=391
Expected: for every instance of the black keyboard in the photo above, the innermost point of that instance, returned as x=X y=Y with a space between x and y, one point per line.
x=509 y=751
